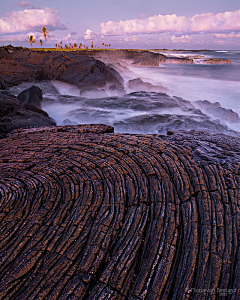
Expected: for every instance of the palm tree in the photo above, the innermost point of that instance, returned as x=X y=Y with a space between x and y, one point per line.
x=45 y=34
x=84 y=46
x=41 y=42
x=31 y=40
x=109 y=45
x=92 y=45
x=70 y=45
x=80 y=46
x=75 y=45
x=56 y=45
x=66 y=46
x=103 y=44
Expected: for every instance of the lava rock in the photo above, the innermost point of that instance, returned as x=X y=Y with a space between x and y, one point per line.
x=19 y=65
x=32 y=95
x=89 y=214
x=14 y=114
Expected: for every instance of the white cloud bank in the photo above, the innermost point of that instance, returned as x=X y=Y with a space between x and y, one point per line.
x=207 y=23
x=30 y=19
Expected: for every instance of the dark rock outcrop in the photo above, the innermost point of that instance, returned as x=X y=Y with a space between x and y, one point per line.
x=14 y=114
x=217 y=110
x=136 y=57
x=151 y=112
x=88 y=214
x=32 y=96
x=138 y=85
x=216 y=61
x=25 y=65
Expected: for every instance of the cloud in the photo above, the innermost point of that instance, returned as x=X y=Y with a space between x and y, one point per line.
x=153 y=24
x=25 y=4
x=208 y=23
x=18 y=37
x=30 y=19
x=74 y=33
x=216 y=23
x=184 y=39
x=133 y=39
x=90 y=35
x=231 y=35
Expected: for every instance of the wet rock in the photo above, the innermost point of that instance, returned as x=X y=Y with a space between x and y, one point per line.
x=214 y=61
x=217 y=111
x=14 y=114
x=150 y=112
x=137 y=85
x=32 y=95
x=89 y=214
x=23 y=65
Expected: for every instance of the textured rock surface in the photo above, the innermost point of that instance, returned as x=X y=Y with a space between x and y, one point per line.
x=20 y=65
x=214 y=61
x=32 y=95
x=14 y=114
x=140 y=57
x=89 y=214
x=137 y=85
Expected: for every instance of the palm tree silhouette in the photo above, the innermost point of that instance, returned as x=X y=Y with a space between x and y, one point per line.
x=41 y=42
x=103 y=44
x=45 y=34
x=80 y=46
x=31 y=40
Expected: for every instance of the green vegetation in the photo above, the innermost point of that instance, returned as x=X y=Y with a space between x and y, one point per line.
x=31 y=40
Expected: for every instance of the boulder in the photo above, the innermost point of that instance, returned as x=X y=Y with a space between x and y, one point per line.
x=32 y=95
x=15 y=114
x=137 y=85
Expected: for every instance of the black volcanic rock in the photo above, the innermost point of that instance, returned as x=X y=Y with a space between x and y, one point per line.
x=14 y=114
x=137 y=85
x=32 y=96
x=88 y=214
x=136 y=57
x=216 y=110
x=23 y=65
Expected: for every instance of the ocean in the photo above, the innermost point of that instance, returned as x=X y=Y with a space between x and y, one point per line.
x=141 y=112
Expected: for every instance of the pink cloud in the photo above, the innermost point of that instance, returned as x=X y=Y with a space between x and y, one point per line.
x=25 y=4
x=231 y=35
x=208 y=22
x=216 y=23
x=30 y=19
x=155 y=24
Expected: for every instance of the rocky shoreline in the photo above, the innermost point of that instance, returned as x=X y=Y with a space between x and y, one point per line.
x=87 y=213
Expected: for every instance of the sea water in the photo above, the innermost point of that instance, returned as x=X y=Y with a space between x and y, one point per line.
x=200 y=81
x=192 y=82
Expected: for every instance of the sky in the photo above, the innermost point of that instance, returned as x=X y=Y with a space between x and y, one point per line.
x=126 y=24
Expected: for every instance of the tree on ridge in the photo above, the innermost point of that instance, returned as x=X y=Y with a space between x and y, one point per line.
x=31 y=40
x=45 y=34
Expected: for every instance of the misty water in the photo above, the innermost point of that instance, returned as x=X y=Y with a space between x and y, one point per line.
x=151 y=112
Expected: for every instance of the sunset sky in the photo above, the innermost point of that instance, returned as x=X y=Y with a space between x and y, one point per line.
x=145 y=24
